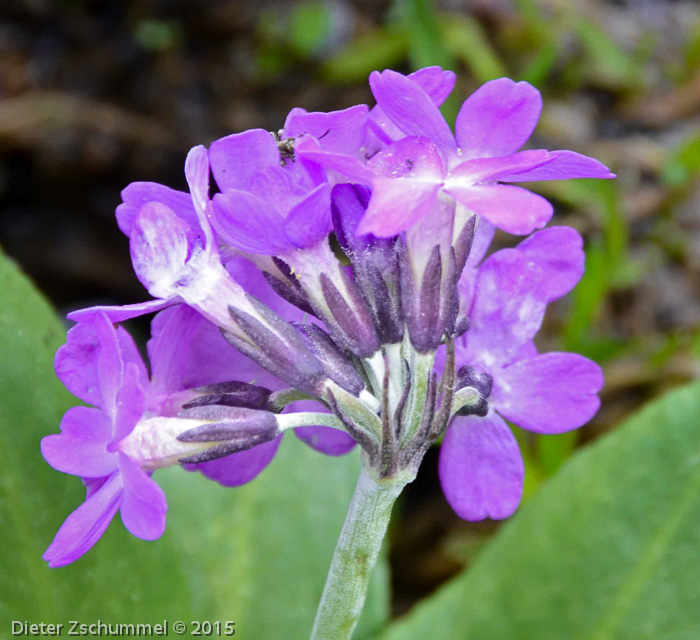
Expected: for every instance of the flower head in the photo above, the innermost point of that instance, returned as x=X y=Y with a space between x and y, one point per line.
x=339 y=266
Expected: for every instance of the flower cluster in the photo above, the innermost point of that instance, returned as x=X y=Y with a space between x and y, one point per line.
x=333 y=281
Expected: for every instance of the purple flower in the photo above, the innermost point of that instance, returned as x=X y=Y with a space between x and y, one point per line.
x=137 y=425
x=100 y=365
x=413 y=208
x=269 y=204
x=481 y=470
x=264 y=207
x=173 y=248
x=409 y=175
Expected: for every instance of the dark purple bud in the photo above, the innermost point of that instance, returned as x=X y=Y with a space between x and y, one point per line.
x=348 y=205
x=289 y=289
x=463 y=245
x=231 y=394
x=383 y=300
x=351 y=323
x=449 y=300
x=421 y=306
x=237 y=429
x=336 y=365
x=220 y=451
x=280 y=350
x=431 y=308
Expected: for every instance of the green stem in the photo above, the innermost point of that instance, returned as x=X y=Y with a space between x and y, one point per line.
x=355 y=554
x=308 y=418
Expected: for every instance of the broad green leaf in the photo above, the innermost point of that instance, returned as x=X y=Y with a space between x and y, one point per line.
x=607 y=550
x=257 y=555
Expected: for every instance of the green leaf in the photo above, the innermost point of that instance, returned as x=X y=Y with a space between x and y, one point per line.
x=257 y=555
x=607 y=550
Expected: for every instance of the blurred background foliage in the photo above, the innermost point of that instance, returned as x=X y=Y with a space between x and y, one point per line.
x=94 y=95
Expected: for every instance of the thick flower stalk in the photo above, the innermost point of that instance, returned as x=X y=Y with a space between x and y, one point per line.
x=336 y=283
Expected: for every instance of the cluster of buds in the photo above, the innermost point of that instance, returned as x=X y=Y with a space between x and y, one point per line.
x=335 y=284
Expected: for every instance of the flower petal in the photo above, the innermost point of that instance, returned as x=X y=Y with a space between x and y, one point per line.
x=239 y=468
x=109 y=365
x=85 y=526
x=277 y=185
x=506 y=312
x=248 y=222
x=435 y=81
x=75 y=363
x=550 y=393
x=143 y=505
x=396 y=205
x=307 y=149
x=161 y=245
x=235 y=158
x=559 y=252
x=528 y=350
x=197 y=174
x=310 y=220
x=498 y=118
x=381 y=131
x=336 y=131
x=561 y=165
x=120 y=313
x=131 y=402
x=81 y=447
x=512 y=209
x=410 y=108
x=331 y=442
x=409 y=173
x=491 y=169
x=138 y=194
x=481 y=471
x=411 y=157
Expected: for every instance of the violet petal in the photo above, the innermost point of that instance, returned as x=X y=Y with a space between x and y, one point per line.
x=239 y=468
x=512 y=209
x=498 y=118
x=81 y=447
x=410 y=108
x=550 y=393
x=559 y=252
x=85 y=526
x=481 y=470
x=143 y=505
x=249 y=222
x=235 y=158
